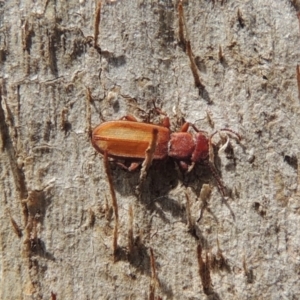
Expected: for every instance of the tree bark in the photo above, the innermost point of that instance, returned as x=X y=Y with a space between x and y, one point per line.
x=67 y=66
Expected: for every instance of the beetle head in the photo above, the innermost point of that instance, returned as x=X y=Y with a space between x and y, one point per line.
x=202 y=144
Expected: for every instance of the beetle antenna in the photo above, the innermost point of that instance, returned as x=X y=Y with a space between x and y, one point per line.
x=217 y=177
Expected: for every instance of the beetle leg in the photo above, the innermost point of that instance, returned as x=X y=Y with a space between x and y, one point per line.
x=158 y=110
x=217 y=177
x=183 y=165
x=122 y=166
x=191 y=167
x=165 y=121
x=198 y=130
x=133 y=166
x=130 y=118
x=184 y=127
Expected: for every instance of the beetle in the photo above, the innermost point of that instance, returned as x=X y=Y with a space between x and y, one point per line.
x=128 y=140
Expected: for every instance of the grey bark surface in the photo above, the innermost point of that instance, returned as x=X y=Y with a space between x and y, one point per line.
x=57 y=221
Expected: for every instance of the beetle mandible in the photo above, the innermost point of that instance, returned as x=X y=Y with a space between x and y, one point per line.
x=129 y=139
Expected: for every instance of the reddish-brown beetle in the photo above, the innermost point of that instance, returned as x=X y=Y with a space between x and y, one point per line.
x=129 y=140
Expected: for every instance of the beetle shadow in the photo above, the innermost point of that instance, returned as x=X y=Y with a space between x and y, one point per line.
x=195 y=179
x=162 y=177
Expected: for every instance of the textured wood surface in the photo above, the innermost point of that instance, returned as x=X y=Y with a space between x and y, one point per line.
x=58 y=82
